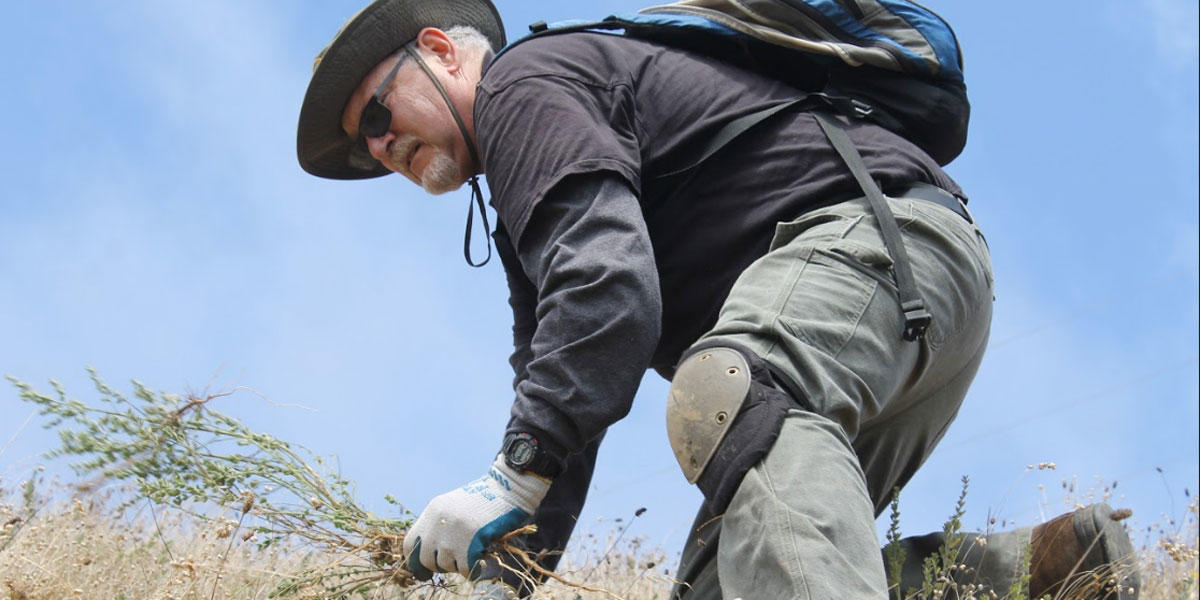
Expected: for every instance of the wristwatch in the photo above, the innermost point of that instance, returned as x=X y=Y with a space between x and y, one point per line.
x=523 y=452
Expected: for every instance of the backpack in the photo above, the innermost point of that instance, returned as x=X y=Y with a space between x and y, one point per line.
x=893 y=62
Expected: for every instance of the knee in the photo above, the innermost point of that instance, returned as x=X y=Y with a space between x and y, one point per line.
x=724 y=413
x=709 y=389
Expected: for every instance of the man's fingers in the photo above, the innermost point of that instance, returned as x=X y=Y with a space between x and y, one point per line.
x=499 y=527
x=444 y=560
x=414 y=563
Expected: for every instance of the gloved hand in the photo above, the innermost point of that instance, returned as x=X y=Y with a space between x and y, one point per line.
x=454 y=530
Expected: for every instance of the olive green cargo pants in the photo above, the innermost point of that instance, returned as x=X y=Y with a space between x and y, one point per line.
x=821 y=307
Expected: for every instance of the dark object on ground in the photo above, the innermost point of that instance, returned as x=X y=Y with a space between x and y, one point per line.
x=1084 y=554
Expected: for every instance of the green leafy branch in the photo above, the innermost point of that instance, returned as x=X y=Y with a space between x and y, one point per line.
x=178 y=451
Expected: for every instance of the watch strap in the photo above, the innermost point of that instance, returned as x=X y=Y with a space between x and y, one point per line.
x=523 y=452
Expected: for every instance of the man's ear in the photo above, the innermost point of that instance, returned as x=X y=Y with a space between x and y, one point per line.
x=435 y=41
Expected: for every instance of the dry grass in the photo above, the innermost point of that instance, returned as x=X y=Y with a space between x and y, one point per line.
x=614 y=568
x=1169 y=561
x=83 y=549
x=80 y=550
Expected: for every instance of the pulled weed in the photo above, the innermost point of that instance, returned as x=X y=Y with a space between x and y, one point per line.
x=177 y=451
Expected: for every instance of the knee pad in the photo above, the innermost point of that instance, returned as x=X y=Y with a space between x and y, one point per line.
x=723 y=414
x=708 y=391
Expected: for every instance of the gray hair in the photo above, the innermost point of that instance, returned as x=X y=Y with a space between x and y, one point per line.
x=467 y=40
x=470 y=39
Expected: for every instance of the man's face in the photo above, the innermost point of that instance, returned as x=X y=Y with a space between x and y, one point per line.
x=423 y=143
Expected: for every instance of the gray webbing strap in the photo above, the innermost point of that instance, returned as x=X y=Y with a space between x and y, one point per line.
x=850 y=107
x=916 y=318
x=731 y=131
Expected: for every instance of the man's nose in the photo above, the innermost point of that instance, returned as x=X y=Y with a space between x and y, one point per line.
x=377 y=147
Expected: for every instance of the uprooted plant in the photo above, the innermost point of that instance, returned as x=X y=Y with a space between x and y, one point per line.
x=178 y=451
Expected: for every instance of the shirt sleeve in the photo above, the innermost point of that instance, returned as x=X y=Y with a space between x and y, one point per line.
x=598 y=312
x=538 y=131
x=522 y=298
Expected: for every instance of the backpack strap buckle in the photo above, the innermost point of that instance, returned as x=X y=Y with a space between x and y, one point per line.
x=858 y=108
x=916 y=319
x=851 y=107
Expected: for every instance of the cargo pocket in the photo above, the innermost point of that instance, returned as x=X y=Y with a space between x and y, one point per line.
x=827 y=302
x=872 y=261
x=815 y=226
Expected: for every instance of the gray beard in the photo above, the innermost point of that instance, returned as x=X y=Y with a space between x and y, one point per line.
x=441 y=175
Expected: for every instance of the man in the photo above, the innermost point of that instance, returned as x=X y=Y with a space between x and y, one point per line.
x=757 y=281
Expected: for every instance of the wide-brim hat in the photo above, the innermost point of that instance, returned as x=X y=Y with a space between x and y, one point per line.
x=366 y=39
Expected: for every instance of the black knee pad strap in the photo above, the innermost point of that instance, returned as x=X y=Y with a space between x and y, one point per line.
x=754 y=430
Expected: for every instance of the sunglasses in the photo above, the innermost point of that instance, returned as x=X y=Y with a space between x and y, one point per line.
x=376 y=118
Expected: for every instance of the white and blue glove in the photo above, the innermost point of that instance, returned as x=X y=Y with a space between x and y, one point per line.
x=456 y=528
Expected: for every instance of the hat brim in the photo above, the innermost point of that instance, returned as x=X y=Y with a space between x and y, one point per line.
x=377 y=31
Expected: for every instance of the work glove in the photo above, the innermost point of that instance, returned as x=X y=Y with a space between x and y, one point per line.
x=456 y=528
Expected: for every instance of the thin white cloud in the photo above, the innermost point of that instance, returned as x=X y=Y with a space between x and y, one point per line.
x=1171 y=82
x=1174 y=26
x=218 y=80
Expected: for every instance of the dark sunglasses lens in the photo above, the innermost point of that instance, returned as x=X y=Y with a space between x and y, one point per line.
x=376 y=119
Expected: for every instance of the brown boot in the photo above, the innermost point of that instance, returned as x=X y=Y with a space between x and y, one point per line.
x=1084 y=554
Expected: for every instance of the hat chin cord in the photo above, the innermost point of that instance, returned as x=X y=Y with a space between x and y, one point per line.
x=476 y=194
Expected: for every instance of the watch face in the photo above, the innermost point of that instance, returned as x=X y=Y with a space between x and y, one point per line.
x=520 y=451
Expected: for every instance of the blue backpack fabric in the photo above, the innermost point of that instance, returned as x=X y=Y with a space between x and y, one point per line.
x=893 y=62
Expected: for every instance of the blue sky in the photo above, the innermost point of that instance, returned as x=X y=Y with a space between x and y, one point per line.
x=154 y=224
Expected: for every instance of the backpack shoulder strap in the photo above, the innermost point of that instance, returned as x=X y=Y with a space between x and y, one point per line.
x=633 y=23
x=729 y=132
x=916 y=317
